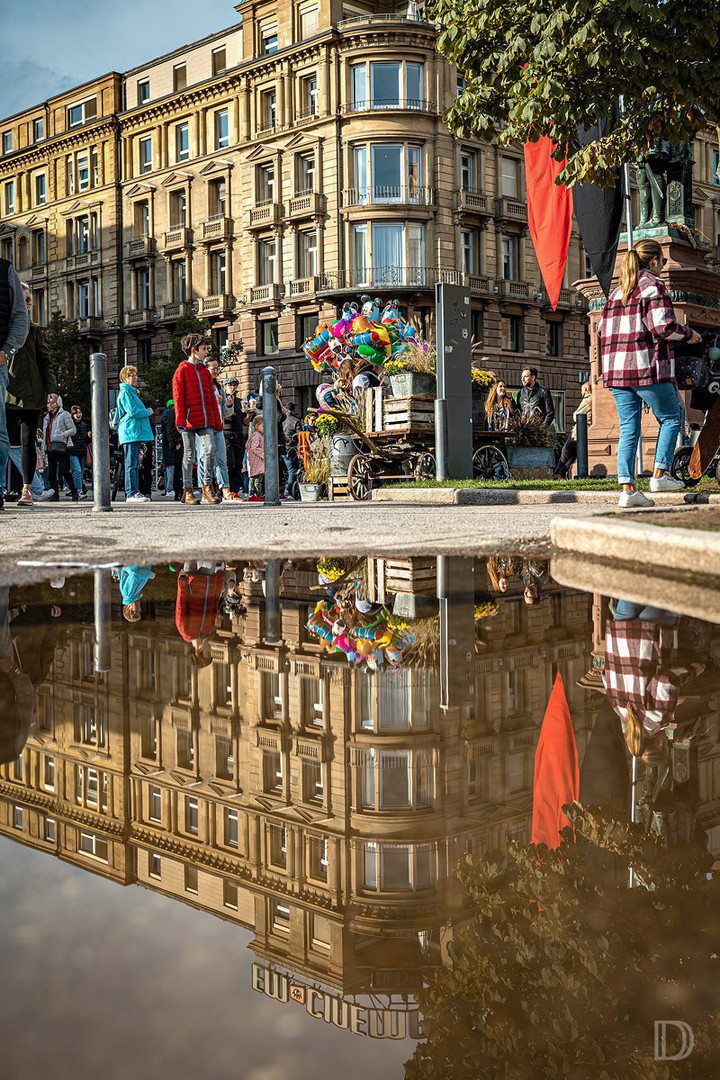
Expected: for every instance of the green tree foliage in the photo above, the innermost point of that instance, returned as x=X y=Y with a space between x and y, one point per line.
x=543 y=67
x=71 y=360
x=563 y=970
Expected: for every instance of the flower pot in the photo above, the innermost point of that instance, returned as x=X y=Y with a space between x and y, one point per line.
x=415 y=606
x=412 y=384
x=310 y=492
x=530 y=462
x=342 y=452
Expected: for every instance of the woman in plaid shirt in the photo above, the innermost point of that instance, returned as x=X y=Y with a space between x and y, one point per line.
x=636 y=330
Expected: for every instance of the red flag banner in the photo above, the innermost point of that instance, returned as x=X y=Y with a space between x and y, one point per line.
x=550 y=209
x=557 y=777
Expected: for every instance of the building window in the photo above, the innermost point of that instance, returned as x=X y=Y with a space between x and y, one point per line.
x=278 y=846
x=511 y=333
x=179 y=77
x=39 y=317
x=17 y=817
x=269 y=337
x=515 y=698
x=716 y=166
x=218 y=198
x=312 y=692
x=9 y=200
x=218 y=272
x=179 y=280
x=268 y=38
x=397 y=867
x=312 y=781
x=143 y=91
x=219 y=63
x=38 y=247
x=230 y=895
x=40 y=189
x=82 y=235
x=155 y=804
x=142 y=286
x=509 y=258
x=155 y=866
x=265 y=184
x=469 y=172
x=224 y=760
x=95 y=156
x=272 y=771
x=148 y=737
x=89 y=844
x=554 y=338
x=477 y=778
x=82 y=112
x=470 y=251
x=318 y=858
x=185 y=750
x=49 y=777
x=182 y=142
x=393 y=84
x=90 y=724
x=309 y=96
x=510 y=173
x=517 y=771
x=191 y=878
x=267 y=253
x=269 y=110
x=38 y=130
x=191 y=816
x=178 y=209
x=141 y=216
x=7 y=141
x=231 y=828
x=476 y=326
x=308 y=21
x=308 y=254
x=280 y=916
x=146 y=154
x=307 y=325
x=306 y=174
x=222 y=138
x=394 y=779
x=49 y=830
x=83 y=172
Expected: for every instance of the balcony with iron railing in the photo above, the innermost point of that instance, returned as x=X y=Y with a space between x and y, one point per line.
x=177 y=237
x=405 y=18
x=265 y=213
x=374 y=104
x=266 y=126
x=399 y=277
x=217 y=227
x=308 y=112
x=384 y=194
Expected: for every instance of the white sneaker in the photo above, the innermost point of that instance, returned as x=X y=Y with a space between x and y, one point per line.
x=666 y=482
x=48 y=494
x=634 y=498
x=170 y=494
x=137 y=498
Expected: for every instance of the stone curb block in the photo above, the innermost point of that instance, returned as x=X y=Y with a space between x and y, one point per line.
x=521 y=497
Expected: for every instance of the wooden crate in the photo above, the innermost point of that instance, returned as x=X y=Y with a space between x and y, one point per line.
x=411 y=413
x=374 y=409
x=338 y=490
x=410 y=575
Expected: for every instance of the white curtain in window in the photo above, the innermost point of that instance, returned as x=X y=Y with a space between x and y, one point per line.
x=388 y=254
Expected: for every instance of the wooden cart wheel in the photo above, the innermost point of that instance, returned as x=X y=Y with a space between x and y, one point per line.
x=425 y=468
x=360 y=478
x=489 y=463
x=681 y=466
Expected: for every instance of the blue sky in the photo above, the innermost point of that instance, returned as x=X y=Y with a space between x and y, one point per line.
x=53 y=45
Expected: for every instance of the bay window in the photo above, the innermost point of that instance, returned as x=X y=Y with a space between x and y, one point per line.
x=394 y=779
x=394 y=84
x=397 y=867
x=395 y=701
x=397 y=257
x=395 y=171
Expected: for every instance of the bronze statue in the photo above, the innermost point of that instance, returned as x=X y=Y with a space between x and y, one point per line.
x=664 y=179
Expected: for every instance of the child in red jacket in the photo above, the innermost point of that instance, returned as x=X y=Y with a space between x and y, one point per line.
x=197 y=416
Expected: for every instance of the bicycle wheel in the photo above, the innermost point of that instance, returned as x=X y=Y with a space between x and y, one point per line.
x=681 y=466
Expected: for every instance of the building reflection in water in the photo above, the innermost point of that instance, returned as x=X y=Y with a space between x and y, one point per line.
x=243 y=764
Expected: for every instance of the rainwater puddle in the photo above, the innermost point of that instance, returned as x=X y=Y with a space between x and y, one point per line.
x=267 y=820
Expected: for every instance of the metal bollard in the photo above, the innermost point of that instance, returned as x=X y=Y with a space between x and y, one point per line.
x=270 y=437
x=102 y=621
x=272 y=601
x=100 y=432
x=441 y=440
x=582 y=446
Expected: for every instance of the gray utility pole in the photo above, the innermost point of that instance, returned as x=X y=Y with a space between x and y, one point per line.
x=270 y=437
x=453 y=410
x=100 y=432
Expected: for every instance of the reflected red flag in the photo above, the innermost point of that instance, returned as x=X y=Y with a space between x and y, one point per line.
x=557 y=778
x=550 y=209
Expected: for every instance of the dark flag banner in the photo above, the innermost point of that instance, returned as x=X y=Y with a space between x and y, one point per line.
x=550 y=208
x=599 y=212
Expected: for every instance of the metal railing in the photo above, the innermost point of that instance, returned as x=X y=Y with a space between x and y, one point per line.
x=383 y=20
x=379 y=195
x=408 y=277
x=381 y=104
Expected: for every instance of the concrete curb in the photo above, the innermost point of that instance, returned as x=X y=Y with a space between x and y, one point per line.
x=521 y=497
x=634 y=539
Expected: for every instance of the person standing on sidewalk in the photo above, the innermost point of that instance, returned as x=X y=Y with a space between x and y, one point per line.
x=58 y=430
x=535 y=400
x=637 y=328
x=132 y=420
x=197 y=417
x=79 y=448
x=222 y=477
x=291 y=429
x=256 y=461
x=14 y=325
x=235 y=421
x=30 y=379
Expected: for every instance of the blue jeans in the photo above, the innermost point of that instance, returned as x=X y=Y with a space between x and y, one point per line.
x=292 y=462
x=76 y=464
x=16 y=458
x=204 y=439
x=4 y=440
x=662 y=399
x=132 y=466
x=221 y=464
x=626 y=611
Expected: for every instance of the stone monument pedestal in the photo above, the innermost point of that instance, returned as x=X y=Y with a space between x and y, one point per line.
x=695 y=292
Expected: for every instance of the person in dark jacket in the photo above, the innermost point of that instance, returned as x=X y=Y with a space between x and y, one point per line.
x=197 y=416
x=79 y=448
x=535 y=400
x=291 y=428
x=14 y=326
x=168 y=449
x=175 y=443
x=235 y=421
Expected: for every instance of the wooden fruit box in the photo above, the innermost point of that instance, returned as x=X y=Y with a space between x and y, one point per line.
x=404 y=414
x=338 y=490
x=410 y=575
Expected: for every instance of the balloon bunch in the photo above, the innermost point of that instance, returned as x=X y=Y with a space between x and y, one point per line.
x=362 y=332
x=371 y=645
